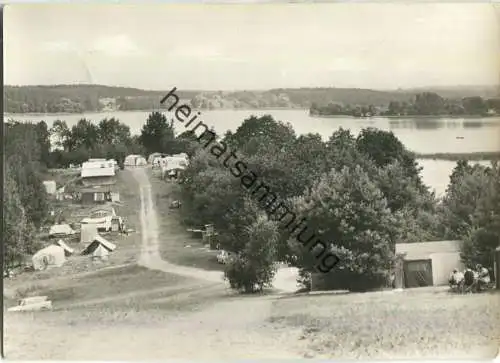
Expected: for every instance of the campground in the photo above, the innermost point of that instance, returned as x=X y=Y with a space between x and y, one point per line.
x=161 y=296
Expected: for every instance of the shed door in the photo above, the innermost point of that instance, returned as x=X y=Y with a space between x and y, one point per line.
x=418 y=273
x=99 y=197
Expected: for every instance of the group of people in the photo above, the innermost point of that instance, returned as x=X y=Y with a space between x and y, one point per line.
x=470 y=280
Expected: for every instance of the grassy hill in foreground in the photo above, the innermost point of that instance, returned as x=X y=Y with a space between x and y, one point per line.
x=88 y=98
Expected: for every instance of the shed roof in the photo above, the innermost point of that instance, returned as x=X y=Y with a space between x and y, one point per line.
x=422 y=250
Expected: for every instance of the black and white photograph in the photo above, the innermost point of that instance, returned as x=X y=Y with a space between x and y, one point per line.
x=253 y=180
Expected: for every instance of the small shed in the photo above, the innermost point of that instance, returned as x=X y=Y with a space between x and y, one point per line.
x=61 y=230
x=50 y=186
x=50 y=256
x=68 y=251
x=88 y=232
x=115 y=196
x=429 y=263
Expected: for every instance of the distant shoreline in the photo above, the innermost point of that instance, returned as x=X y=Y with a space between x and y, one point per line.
x=408 y=117
x=13 y=115
x=9 y=114
x=476 y=156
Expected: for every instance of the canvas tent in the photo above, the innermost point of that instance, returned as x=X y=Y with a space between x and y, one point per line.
x=51 y=256
x=67 y=250
x=60 y=230
x=95 y=248
x=101 y=253
x=153 y=156
x=429 y=263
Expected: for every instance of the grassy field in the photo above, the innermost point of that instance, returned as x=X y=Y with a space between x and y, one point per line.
x=411 y=324
x=119 y=310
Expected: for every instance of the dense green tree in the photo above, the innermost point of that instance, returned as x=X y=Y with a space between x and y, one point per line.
x=429 y=103
x=484 y=232
x=157 y=135
x=475 y=106
x=467 y=187
x=253 y=267
x=348 y=212
x=18 y=233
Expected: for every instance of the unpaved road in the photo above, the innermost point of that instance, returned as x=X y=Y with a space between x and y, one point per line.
x=150 y=255
x=228 y=330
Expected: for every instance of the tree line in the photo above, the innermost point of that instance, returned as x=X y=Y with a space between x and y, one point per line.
x=423 y=104
x=363 y=194
x=25 y=204
x=323 y=101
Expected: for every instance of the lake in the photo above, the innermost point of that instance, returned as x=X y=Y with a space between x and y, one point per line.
x=424 y=135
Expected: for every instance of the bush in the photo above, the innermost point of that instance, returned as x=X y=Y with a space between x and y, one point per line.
x=254 y=267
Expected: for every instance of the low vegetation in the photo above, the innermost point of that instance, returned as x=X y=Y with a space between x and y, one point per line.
x=407 y=325
x=423 y=104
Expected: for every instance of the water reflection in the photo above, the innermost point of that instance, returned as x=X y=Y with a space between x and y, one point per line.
x=474 y=124
x=433 y=123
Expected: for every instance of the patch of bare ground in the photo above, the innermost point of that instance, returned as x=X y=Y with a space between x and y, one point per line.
x=411 y=324
x=178 y=246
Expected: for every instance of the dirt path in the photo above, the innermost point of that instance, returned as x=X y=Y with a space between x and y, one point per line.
x=232 y=329
x=150 y=254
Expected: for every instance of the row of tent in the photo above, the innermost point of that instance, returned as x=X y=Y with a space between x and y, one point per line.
x=154 y=158
x=55 y=255
x=135 y=160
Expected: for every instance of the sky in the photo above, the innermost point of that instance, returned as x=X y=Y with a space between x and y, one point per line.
x=259 y=46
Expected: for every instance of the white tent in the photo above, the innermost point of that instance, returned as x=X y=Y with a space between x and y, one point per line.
x=130 y=160
x=88 y=233
x=98 y=241
x=135 y=160
x=153 y=156
x=100 y=252
x=140 y=161
x=50 y=186
x=60 y=230
x=67 y=250
x=51 y=256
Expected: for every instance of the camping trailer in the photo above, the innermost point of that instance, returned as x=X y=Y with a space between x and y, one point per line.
x=95 y=173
